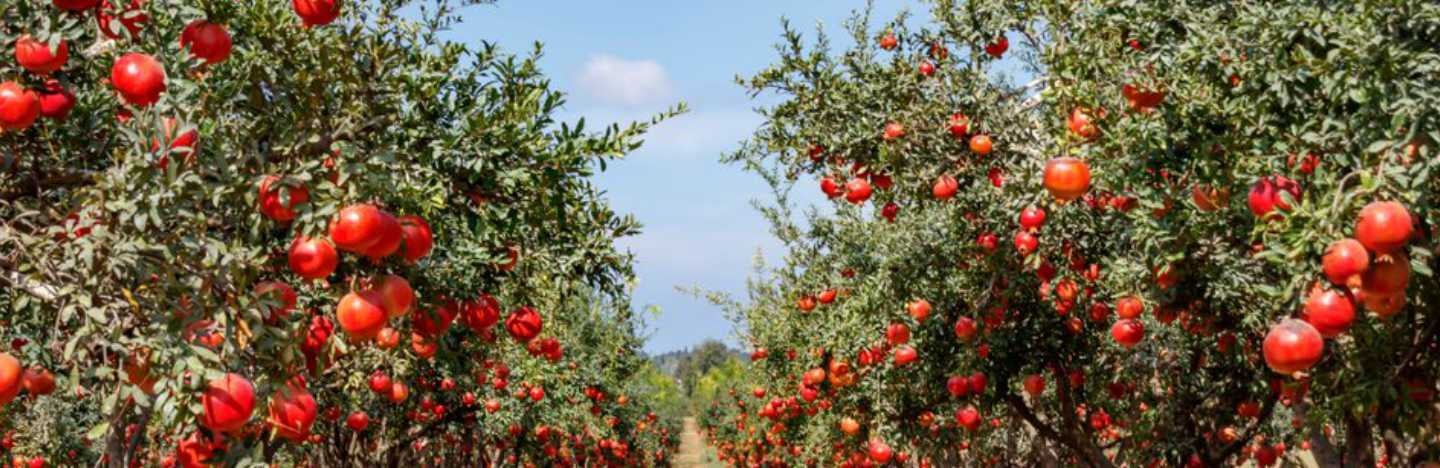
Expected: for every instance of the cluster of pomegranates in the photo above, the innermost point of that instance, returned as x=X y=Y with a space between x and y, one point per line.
x=1370 y=269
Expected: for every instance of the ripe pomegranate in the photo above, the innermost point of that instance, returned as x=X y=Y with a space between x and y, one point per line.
x=1082 y=125
x=1384 y=227
x=919 y=309
x=37 y=57
x=276 y=206
x=357 y=421
x=524 y=324
x=1129 y=307
x=880 y=452
x=893 y=130
x=1026 y=243
x=980 y=144
x=1143 y=100
x=1266 y=196
x=11 y=377
x=857 y=190
x=313 y=258
x=1032 y=218
x=228 y=402
x=889 y=42
x=206 y=41
x=927 y=68
x=417 y=236
x=965 y=329
x=945 y=187
x=1034 y=384
x=1293 y=346
x=139 y=78
x=977 y=383
x=1067 y=178
x=897 y=334
x=19 y=107
x=831 y=188
x=396 y=297
x=357 y=228
x=391 y=236
x=958 y=386
x=398 y=392
x=316 y=12
x=827 y=296
x=889 y=211
x=959 y=125
x=968 y=418
x=436 y=321
x=56 y=100
x=76 y=5
x=480 y=314
x=1387 y=276
x=361 y=315
x=37 y=381
x=1346 y=262
x=998 y=47
x=292 y=412
x=1385 y=306
x=1330 y=312
x=904 y=355
x=1128 y=332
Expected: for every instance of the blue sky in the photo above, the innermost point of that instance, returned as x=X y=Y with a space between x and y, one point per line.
x=626 y=60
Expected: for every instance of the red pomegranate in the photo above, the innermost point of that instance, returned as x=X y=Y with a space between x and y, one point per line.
x=292 y=412
x=436 y=321
x=1346 y=262
x=278 y=292
x=37 y=57
x=357 y=228
x=1034 y=384
x=480 y=314
x=228 y=402
x=396 y=297
x=280 y=207
x=206 y=41
x=56 y=100
x=313 y=258
x=76 y=5
x=1293 y=346
x=965 y=329
x=417 y=236
x=1384 y=227
x=19 y=107
x=1330 y=312
x=1032 y=218
x=357 y=421
x=11 y=377
x=391 y=236
x=968 y=418
x=1387 y=276
x=919 y=309
x=1082 y=125
x=857 y=190
x=1067 y=178
x=1127 y=332
x=524 y=324
x=139 y=78
x=1129 y=307
x=1266 y=196
x=317 y=12
x=897 y=334
x=360 y=314
x=945 y=187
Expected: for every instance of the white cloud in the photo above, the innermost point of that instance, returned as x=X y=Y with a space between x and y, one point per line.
x=627 y=82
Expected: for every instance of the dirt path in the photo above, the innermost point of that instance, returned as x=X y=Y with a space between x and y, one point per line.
x=693 y=452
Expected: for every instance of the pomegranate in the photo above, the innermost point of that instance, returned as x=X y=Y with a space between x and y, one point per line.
x=1127 y=332
x=945 y=187
x=37 y=57
x=1346 y=262
x=998 y=47
x=1129 y=307
x=206 y=41
x=228 y=402
x=919 y=309
x=1082 y=125
x=396 y=297
x=139 y=78
x=1067 y=178
x=1032 y=218
x=316 y=12
x=1330 y=312
x=358 y=228
x=959 y=125
x=312 y=258
x=1034 y=384
x=19 y=107
x=1267 y=195
x=360 y=314
x=968 y=418
x=857 y=190
x=55 y=101
x=981 y=144
x=417 y=236
x=893 y=130
x=524 y=324
x=1293 y=346
x=1387 y=276
x=276 y=206
x=292 y=412
x=1384 y=227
